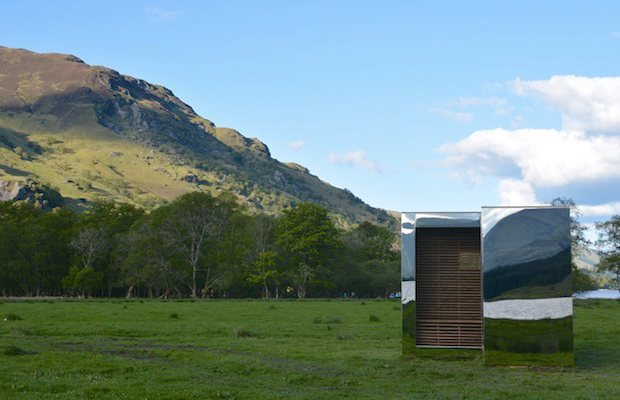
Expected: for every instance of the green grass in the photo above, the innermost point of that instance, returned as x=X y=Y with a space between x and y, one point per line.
x=114 y=349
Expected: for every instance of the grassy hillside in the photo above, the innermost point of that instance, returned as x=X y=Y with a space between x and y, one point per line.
x=92 y=133
x=270 y=350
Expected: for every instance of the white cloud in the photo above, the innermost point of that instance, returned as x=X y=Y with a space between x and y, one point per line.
x=160 y=14
x=493 y=102
x=457 y=116
x=542 y=157
x=585 y=153
x=298 y=144
x=513 y=192
x=586 y=104
x=600 y=210
x=504 y=112
x=516 y=120
x=354 y=158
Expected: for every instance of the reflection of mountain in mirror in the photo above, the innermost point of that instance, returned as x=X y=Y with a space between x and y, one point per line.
x=525 y=236
x=539 y=278
x=526 y=254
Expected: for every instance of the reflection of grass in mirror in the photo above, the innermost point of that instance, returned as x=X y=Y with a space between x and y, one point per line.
x=494 y=357
x=98 y=349
x=538 y=336
x=408 y=327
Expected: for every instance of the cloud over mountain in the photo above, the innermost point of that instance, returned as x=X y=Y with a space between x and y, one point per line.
x=298 y=144
x=356 y=159
x=586 y=104
x=583 y=154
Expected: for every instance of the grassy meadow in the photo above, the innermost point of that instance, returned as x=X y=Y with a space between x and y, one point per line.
x=252 y=349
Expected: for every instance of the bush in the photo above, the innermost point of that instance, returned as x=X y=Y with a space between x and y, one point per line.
x=241 y=332
x=333 y=320
x=374 y=318
x=12 y=317
x=12 y=350
x=21 y=331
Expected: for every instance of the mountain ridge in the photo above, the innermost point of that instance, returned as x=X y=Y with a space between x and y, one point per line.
x=91 y=132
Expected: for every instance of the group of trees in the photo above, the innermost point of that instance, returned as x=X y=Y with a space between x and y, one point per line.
x=608 y=246
x=205 y=246
x=196 y=246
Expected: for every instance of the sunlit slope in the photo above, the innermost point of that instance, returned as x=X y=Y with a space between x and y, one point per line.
x=93 y=133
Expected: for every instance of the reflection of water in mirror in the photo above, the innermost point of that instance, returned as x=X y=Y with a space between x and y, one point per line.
x=599 y=294
x=529 y=309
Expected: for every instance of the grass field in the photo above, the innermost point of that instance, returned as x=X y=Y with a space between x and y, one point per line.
x=236 y=349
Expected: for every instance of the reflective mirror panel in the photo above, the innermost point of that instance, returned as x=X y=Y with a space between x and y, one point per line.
x=467 y=260
x=527 y=288
x=408 y=280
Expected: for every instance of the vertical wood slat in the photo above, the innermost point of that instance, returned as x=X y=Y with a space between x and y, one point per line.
x=448 y=287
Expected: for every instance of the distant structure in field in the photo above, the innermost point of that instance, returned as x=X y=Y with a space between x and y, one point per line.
x=497 y=280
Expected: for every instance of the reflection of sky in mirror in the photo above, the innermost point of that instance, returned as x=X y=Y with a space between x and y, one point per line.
x=492 y=215
x=407 y=221
x=407 y=260
x=447 y=220
x=407 y=291
x=529 y=309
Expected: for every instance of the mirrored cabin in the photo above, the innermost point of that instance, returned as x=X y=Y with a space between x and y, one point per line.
x=497 y=280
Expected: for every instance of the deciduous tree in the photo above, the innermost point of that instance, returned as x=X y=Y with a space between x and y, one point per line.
x=308 y=240
x=609 y=245
x=581 y=280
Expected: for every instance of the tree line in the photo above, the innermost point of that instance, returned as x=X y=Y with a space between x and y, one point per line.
x=198 y=246
x=607 y=245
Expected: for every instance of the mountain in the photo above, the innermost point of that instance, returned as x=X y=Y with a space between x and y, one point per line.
x=88 y=132
x=586 y=258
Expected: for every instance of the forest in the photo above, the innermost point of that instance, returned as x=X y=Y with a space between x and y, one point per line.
x=198 y=246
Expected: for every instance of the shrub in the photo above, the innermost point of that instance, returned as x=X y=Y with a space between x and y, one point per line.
x=12 y=350
x=12 y=317
x=241 y=332
x=333 y=320
x=21 y=331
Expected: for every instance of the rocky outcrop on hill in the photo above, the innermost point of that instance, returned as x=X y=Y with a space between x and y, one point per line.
x=95 y=133
x=30 y=191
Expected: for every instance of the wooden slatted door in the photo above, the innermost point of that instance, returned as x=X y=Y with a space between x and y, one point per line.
x=448 y=288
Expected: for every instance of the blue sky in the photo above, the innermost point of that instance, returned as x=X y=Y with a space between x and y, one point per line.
x=411 y=105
